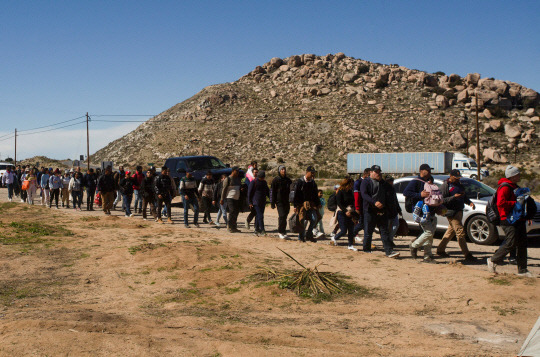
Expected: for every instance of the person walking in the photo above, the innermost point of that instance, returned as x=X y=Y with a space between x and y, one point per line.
x=44 y=186
x=392 y=208
x=258 y=191
x=190 y=195
x=106 y=187
x=515 y=233
x=126 y=188
x=90 y=182
x=75 y=187
x=318 y=231
x=345 y=212
x=414 y=192
x=216 y=198
x=252 y=213
x=358 y=205
x=306 y=203
x=8 y=179
x=374 y=192
x=454 y=199
x=231 y=194
x=55 y=185
x=137 y=179
x=164 y=190
x=64 y=193
x=280 y=190
x=117 y=177
x=148 y=194
x=206 y=193
x=32 y=186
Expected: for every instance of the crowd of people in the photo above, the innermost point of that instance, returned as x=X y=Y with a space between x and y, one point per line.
x=366 y=203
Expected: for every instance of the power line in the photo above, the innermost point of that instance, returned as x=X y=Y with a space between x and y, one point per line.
x=44 y=131
x=46 y=126
x=11 y=137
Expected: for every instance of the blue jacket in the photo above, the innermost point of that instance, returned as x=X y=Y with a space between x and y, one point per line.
x=257 y=192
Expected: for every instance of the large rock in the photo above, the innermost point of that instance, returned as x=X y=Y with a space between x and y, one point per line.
x=294 y=61
x=472 y=78
x=494 y=155
x=487 y=114
x=530 y=95
x=462 y=96
x=427 y=79
x=453 y=78
x=496 y=125
x=349 y=77
x=512 y=131
x=441 y=101
x=457 y=140
x=276 y=62
x=338 y=57
x=486 y=95
x=530 y=112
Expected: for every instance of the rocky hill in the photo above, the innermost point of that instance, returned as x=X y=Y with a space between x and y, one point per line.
x=312 y=109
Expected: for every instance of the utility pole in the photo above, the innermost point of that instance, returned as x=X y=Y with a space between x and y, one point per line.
x=87 y=144
x=479 y=161
x=15 y=159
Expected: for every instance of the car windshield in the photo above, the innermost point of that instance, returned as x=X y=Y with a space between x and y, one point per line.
x=473 y=164
x=205 y=163
x=476 y=189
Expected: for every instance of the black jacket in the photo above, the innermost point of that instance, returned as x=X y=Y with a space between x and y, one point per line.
x=392 y=204
x=89 y=181
x=147 y=189
x=126 y=186
x=306 y=191
x=452 y=203
x=280 y=189
x=163 y=186
x=345 y=199
x=106 y=183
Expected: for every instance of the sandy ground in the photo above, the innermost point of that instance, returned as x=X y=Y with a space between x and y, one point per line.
x=127 y=287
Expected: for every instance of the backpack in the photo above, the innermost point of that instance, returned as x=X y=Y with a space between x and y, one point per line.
x=492 y=213
x=292 y=193
x=435 y=197
x=411 y=201
x=332 y=203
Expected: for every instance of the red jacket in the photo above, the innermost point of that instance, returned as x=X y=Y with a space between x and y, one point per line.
x=137 y=178
x=506 y=199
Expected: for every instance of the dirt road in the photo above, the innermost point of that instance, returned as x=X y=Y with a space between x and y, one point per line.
x=82 y=284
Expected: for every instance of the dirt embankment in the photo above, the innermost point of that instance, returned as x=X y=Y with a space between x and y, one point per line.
x=81 y=284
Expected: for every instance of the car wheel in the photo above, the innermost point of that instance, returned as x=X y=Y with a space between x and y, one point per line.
x=474 y=177
x=480 y=231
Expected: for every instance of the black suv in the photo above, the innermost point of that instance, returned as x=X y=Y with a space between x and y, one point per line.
x=200 y=166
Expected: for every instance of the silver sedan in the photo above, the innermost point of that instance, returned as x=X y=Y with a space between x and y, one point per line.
x=478 y=229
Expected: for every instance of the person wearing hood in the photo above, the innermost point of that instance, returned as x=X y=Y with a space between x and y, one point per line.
x=258 y=191
x=516 y=234
x=64 y=193
x=75 y=187
x=148 y=194
x=280 y=190
x=137 y=177
x=90 y=182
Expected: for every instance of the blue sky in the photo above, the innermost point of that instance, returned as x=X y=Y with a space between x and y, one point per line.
x=61 y=59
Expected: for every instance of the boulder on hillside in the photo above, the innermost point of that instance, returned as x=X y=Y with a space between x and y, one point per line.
x=472 y=152
x=486 y=95
x=457 y=140
x=494 y=156
x=349 y=77
x=487 y=114
x=496 y=125
x=452 y=78
x=512 y=131
x=338 y=57
x=294 y=61
x=441 y=101
x=530 y=112
x=427 y=79
x=276 y=62
x=258 y=70
x=531 y=96
x=462 y=96
x=472 y=78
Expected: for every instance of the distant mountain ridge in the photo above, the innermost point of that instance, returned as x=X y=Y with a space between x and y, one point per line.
x=308 y=109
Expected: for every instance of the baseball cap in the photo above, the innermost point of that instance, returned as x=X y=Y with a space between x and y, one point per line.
x=455 y=173
x=311 y=169
x=425 y=167
x=128 y=172
x=375 y=168
x=189 y=170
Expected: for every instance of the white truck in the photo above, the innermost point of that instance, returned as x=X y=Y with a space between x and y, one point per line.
x=409 y=163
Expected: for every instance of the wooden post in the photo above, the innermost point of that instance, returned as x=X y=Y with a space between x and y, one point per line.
x=478 y=160
x=87 y=144
x=15 y=159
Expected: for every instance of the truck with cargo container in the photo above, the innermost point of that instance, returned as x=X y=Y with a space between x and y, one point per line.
x=409 y=163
